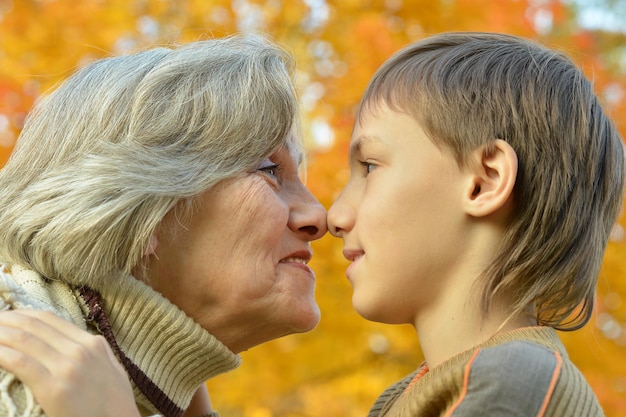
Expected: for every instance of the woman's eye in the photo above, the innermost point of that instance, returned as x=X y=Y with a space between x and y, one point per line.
x=269 y=168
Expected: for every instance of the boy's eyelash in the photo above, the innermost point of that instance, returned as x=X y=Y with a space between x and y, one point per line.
x=366 y=165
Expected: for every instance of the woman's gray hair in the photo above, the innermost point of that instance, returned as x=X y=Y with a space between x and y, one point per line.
x=104 y=157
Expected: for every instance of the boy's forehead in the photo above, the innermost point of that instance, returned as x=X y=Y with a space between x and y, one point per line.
x=358 y=141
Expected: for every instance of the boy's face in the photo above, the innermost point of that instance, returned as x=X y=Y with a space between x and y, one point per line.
x=400 y=217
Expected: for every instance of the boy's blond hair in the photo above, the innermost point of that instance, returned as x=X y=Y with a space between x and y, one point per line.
x=468 y=89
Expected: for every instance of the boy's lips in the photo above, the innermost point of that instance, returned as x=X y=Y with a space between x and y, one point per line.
x=353 y=255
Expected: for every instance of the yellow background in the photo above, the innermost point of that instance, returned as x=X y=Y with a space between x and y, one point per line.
x=340 y=368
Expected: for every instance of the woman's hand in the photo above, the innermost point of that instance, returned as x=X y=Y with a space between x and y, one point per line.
x=71 y=373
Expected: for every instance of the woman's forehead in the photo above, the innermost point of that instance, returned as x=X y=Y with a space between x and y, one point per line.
x=295 y=148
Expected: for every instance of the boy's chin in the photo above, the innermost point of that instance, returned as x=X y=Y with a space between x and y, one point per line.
x=370 y=312
x=373 y=312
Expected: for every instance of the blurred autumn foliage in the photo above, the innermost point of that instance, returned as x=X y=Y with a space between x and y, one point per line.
x=340 y=368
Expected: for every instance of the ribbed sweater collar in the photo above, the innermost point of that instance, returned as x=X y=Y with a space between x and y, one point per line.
x=172 y=350
x=433 y=390
x=542 y=335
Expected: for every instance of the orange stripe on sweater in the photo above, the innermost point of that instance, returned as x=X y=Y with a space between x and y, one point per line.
x=555 y=377
x=466 y=375
x=423 y=371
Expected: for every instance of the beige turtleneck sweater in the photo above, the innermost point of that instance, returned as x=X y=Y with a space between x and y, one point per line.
x=524 y=372
x=166 y=354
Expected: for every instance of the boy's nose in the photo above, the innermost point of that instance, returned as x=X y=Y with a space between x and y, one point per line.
x=340 y=218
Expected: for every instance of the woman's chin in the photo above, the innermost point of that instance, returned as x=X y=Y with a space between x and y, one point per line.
x=306 y=319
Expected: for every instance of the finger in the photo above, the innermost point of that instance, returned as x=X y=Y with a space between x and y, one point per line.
x=55 y=340
x=28 y=333
x=48 y=327
x=27 y=346
x=19 y=318
x=26 y=368
x=33 y=359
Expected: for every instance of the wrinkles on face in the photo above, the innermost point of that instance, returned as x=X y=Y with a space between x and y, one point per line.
x=223 y=265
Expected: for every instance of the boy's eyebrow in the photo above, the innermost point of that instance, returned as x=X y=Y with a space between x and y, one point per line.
x=357 y=144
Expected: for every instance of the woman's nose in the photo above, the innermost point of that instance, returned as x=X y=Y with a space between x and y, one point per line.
x=309 y=217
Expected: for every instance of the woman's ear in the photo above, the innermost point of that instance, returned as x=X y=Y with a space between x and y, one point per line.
x=152 y=245
x=492 y=171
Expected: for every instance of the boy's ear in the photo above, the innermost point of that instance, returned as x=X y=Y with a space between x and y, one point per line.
x=492 y=172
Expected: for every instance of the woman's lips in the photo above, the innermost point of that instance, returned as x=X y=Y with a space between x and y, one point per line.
x=299 y=262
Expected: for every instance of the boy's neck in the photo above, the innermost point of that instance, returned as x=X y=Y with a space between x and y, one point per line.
x=454 y=322
x=452 y=328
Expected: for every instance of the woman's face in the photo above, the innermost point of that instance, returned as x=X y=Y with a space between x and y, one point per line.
x=237 y=264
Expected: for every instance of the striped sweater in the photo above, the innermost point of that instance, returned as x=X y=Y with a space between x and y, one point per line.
x=525 y=372
x=165 y=353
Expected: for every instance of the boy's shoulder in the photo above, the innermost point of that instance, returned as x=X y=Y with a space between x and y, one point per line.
x=522 y=373
x=524 y=361
x=517 y=377
x=524 y=376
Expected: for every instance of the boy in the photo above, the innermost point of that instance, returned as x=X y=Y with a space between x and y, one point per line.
x=485 y=179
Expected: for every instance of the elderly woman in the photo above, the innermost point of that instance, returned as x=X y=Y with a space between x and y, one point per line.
x=154 y=199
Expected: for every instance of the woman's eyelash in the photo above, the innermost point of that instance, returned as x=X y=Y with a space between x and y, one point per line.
x=270 y=169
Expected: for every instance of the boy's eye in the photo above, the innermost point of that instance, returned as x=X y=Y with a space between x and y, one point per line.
x=367 y=166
